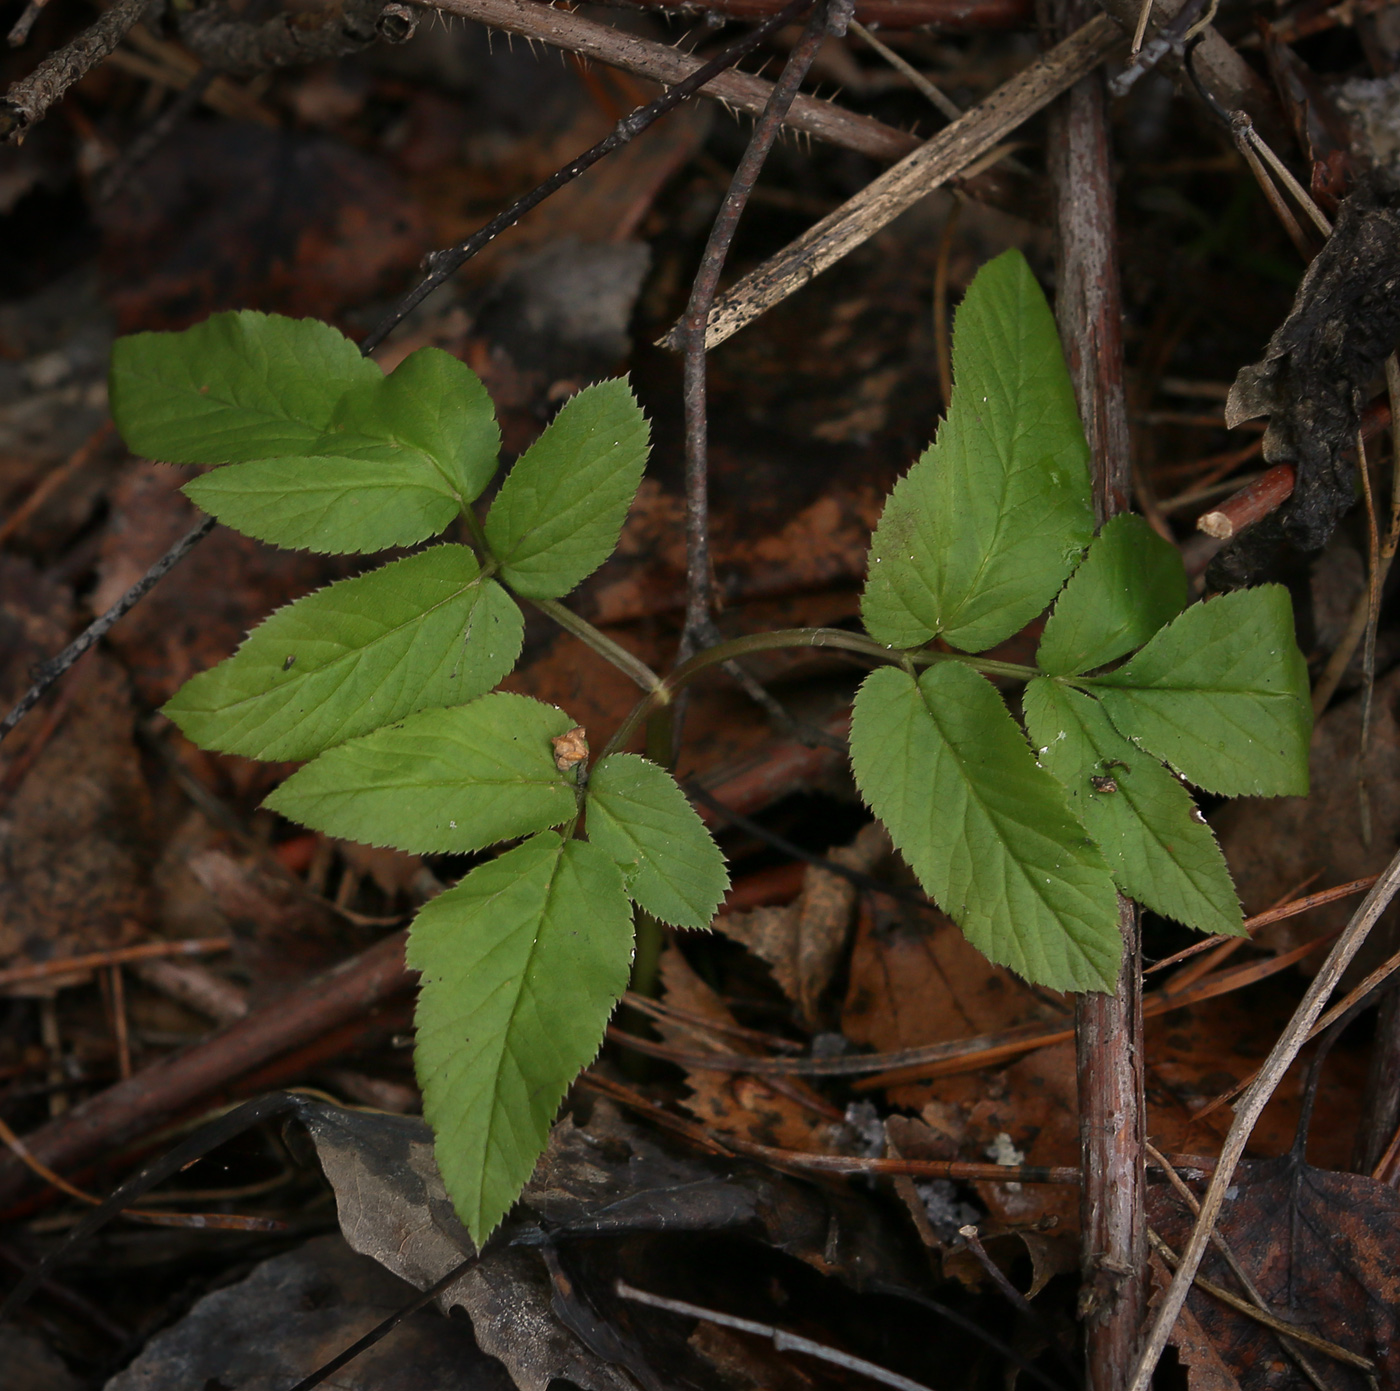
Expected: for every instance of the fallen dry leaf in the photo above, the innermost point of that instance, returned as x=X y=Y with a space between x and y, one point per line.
x=803 y=941
x=1320 y=1247
x=732 y=1103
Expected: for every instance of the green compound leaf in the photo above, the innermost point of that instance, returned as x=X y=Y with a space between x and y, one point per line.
x=1221 y=694
x=560 y=511
x=521 y=965
x=236 y=387
x=421 y=632
x=1130 y=584
x=443 y=781
x=1139 y=815
x=433 y=406
x=988 y=832
x=331 y=504
x=978 y=536
x=640 y=817
x=400 y=458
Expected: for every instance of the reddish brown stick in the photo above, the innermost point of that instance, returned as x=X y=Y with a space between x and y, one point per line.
x=1108 y=1028
x=1250 y=504
x=166 y=1089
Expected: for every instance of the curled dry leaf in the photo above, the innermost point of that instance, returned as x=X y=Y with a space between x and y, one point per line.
x=570 y=748
x=803 y=941
x=1311 y=379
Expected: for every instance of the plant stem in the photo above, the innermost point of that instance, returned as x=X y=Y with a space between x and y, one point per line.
x=605 y=647
x=646 y=960
x=1108 y=1028
x=723 y=652
x=699 y=624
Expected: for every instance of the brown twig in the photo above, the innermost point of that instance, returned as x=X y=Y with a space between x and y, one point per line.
x=26 y=101
x=230 y=41
x=54 y=480
x=156 y=1093
x=114 y=956
x=51 y=670
x=953 y=16
x=1221 y=74
x=995 y=1273
x=782 y=1341
x=120 y=1031
x=19 y=32
x=194 y=987
x=1266 y=494
x=905 y=68
x=1110 y=1055
x=949 y=152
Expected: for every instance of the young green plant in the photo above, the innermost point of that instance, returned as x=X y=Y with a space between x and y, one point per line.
x=384 y=684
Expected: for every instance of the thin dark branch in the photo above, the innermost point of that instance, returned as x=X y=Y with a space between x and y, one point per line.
x=51 y=670
x=800 y=731
x=442 y=264
x=699 y=602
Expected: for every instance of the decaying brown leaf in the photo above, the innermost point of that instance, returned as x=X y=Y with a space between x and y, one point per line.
x=1205 y=1370
x=750 y=1107
x=1320 y=1246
